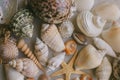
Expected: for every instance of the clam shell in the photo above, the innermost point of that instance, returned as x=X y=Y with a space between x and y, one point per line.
x=52 y=38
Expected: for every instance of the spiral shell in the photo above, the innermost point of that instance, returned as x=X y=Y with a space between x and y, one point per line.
x=25 y=66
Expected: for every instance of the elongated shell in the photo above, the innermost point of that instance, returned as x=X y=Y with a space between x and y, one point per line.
x=101 y=44
x=66 y=29
x=52 y=38
x=89 y=58
x=25 y=66
x=41 y=51
x=104 y=71
x=21 y=23
x=55 y=61
x=89 y=24
x=12 y=74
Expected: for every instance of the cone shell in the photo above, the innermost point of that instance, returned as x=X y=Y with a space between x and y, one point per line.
x=52 y=38
x=25 y=66
x=41 y=51
x=89 y=58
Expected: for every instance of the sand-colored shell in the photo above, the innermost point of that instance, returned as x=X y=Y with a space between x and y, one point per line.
x=89 y=58
x=8 y=50
x=82 y=5
x=26 y=50
x=108 y=11
x=12 y=74
x=41 y=51
x=101 y=44
x=66 y=29
x=112 y=36
x=55 y=62
x=104 y=71
x=80 y=38
x=89 y=24
x=25 y=66
x=21 y=23
x=52 y=38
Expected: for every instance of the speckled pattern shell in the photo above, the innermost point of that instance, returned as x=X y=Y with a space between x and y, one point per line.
x=51 y=11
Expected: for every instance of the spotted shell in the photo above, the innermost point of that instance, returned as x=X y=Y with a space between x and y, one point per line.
x=21 y=23
x=51 y=11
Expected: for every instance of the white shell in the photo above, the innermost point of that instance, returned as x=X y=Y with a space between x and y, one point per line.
x=25 y=66
x=52 y=38
x=112 y=37
x=104 y=71
x=12 y=74
x=55 y=61
x=41 y=51
x=108 y=11
x=89 y=24
x=101 y=44
x=66 y=29
x=89 y=58
x=84 y=4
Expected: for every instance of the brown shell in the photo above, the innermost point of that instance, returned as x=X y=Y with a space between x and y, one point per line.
x=51 y=11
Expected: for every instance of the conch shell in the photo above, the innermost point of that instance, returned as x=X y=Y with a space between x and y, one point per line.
x=112 y=37
x=55 y=61
x=52 y=38
x=25 y=66
x=89 y=24
x=101 y=44
x=41 y=51
x=104 y=71
x=89 y=58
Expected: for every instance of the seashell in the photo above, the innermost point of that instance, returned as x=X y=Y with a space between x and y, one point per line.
x=82 y=5
x=7 y=9
x=44 y=77
x=104 y=71
x=41 y=51
x=51 y=11
x=55 y=62
x=89 y=24
x=101 y=44
x=21 y=23
x=25 y=66
x=24 y=48
x=52 y=38
x=66 y=29
x=80 y=38
x=71 y=47
x=60 y=79
x=89 y=58
x=12 y=74
x=108 y=11
x=84 y=77
x=112 y=37
x=30 y=79
x=8 y=50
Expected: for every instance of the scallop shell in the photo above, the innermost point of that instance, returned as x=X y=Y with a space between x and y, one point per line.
x=112 y=36
x=82 y=5
x=101 y=44
x=108 y=11
x=25 y=66
x=66 y=29
x=41 y=51
x=55 y=61
x=51 y=11
x=12 y=74
x=89 y=24
x=52 y=38
x=104 y=71
x=21 y=23
x=89 y=58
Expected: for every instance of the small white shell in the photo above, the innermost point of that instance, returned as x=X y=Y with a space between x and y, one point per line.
x=66 y=29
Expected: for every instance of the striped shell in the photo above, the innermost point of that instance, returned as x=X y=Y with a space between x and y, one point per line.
x=21 y=23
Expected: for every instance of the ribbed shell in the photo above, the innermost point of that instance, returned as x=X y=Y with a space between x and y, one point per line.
x=26 y=66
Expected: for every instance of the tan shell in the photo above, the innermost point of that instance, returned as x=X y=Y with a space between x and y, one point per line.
x=25 y=66
x=52 y=38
